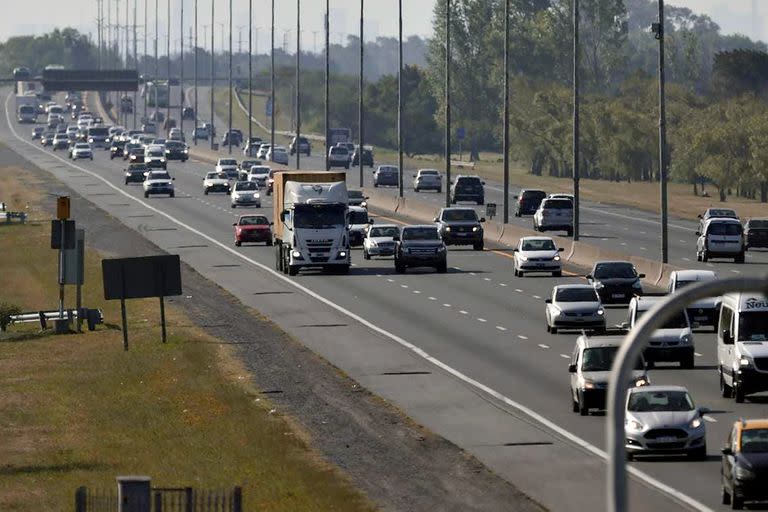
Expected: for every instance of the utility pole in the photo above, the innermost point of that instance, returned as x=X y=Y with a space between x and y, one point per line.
x=135 y=56
x=314 y=40
x=576 y=119
x=505 y=215
x=240 y=39
x=250 y=72
x=298 y=85
x=98 y=29
x=361 y=106
x=127 y=53
x=194 y=124
x=168 y=51
x=213 y=68
x=181 y=66
x=223 y=46
x=157 y=57
x=272 y=80
x=146 y=30
x=399 y=98
x=658 y=29
x=229 y=135
x=108 y=43
x=448 y=103
x=327 y=77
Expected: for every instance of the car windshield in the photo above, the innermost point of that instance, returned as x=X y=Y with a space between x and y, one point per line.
x=215 y=175
x=539 y=245
x=98 y=132
x=318 y=216
x=754 y=440
x=82 y=146
x=358 y=217
x=725 y=228
x=586 y=294
x=246 y=185
x=155 y=152
x=256 y=220
x=355 y=194
x=339 y=151
x=137 y=168
x=558 y=204
x=259 y=170
x=533 y=194
x=384 y=231
x=458 y=215
x=719 y=212
x=760 y=224
x=428 y=172
x=247 y=164
x=753 y=326
x=226 y=161
x=425 y=233
x=469 y=183
x=651 y=401
x=159 y=176
x=387 y=170
x=174 y=145
x=600 y=359
x=679 y=321
x=614 y=271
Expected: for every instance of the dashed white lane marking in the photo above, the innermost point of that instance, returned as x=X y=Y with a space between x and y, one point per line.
x=518 y=290
x=432 y=298
x=463 y=312
x=456 y=268
x=683 y=241
x=379 y=275
x=735 y=271
x=486 y=279
x=697 y=354
x=502 y=284
x=416 y=292
x=543 y=346
x=403 y=286
x=709 y=418
x=522 y=337
x=482 y=320
x=390 y=280
x=643 y=233
x=623 y=243
x=643 y=249
x=446 y=305
x=472 y=274
x=565 y=356
x=604 y=239
x=686 y=259
x=536 y=297
x=501 y=328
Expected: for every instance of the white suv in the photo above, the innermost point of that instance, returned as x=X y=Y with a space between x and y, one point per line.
x=338 y=156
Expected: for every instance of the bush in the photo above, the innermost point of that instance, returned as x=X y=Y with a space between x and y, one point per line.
x=6 y=312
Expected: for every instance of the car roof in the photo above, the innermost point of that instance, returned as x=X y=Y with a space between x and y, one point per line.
x=445 y=208
x=531 y=190
x=752 y=424
x=695 y=275
x=722 y=220
x=529 y=238
x=573 y=286
x=623 y=262
x=467 y=176
x=430 y=226
x=644 y=303
x=747 y=301
x=658 y=387
x=600 y=341
x=385 y=226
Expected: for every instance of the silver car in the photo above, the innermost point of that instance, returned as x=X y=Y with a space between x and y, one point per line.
x=663 y=420
x=574 y=306
x=427 y=179
x=380 y=240
x=245 y=193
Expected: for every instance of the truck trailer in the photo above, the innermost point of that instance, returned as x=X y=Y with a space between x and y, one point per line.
x=310 y=221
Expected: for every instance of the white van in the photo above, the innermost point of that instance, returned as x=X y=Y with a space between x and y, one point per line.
x=742 y=345
x=721 y=238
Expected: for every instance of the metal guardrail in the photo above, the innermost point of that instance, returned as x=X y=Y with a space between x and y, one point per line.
x=92 y=316
x=11 y=216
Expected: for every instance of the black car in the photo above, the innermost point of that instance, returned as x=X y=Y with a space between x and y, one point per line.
x=303 y=144
x=135 y=173
x=176 y=150
x=235 y=137
x=468 y=188
x=528 y=201
x=745 y=464
x=367 y=157
x=615 y=281
x=420 y=246
x=460 y=226
x=188 y=113
x=756 y=233
x=47 y=138
x=116 y=149
x=356 y=198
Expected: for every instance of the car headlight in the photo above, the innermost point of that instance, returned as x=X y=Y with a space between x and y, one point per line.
x=186 y=151
x=296 y=254
x=599 y=286
x=634 y=425
x=441 y=249
x=448 y=229
x=744 y=362
x=588 y=384
x=685 y=339
x=600 y=312
x=373 y=243
x=695 y=423
x=342 y=254
x=556 y=258
x=523 y=257
x=90 y=140
x=364 y=204
x=742 y=473
x=642 y=381
x=476 y=228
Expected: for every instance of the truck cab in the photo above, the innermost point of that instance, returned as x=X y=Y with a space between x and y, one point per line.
x=311 y=221
x=742 y=345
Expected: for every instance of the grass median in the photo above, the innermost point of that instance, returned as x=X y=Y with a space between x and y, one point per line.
x=78 y=410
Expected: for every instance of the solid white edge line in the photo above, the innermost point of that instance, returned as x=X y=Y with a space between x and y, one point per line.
x=573 y=438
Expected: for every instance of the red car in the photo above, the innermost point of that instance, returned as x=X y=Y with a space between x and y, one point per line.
x=253 y=228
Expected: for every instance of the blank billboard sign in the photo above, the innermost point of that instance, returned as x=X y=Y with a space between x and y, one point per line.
x=136 y=278
x=90 y=80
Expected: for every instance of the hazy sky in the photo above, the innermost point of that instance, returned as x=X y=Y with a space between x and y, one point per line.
x=37 y=16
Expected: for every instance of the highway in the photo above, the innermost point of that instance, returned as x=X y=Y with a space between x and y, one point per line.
x=465 y=354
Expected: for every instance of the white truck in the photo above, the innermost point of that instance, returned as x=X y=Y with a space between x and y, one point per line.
x=311 y=225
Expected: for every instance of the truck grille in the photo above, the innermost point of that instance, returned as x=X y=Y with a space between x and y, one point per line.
x=422 y=250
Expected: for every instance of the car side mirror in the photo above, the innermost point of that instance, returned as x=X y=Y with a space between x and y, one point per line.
x=435 y=220
x=726 y=450
x=703 y=411
x=560 y=249
x=370 y=221
x=571 y=368
x=482 y=183
x=641 y=276
x=589 y=276
x=271 y=223
x=482 y=219
x=699 y=216
x=173 y=179
x=414 y=175
x=515 y=250
x=727 y=338
x=548 y=301
x=515 y=197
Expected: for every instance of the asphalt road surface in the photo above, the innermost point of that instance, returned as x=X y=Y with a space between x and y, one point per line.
x=465 y=354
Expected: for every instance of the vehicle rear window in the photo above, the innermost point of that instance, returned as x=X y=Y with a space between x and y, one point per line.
x=759 y=224
x=586 y=294
x=725 y=229
x=558 y=204
x=358 y=217
x=533 y=194
x=254 y=221
x=754 y=440
x=459 y=215
x=227 y=162
x=617 y=270
x=719 y=212
x=425 y=233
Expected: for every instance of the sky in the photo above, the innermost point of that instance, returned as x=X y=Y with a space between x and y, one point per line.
x=40 y=16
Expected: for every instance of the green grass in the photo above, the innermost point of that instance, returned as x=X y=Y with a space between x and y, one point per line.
x=78 y=410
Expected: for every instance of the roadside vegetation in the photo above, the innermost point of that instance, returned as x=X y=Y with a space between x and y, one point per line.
x=78 y=410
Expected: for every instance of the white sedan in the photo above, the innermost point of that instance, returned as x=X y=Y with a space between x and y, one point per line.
x=245 y=193
x=380 y=240
x=574 y=306
x=278 y=155
x=216 y=182
x=82 y=150
x=537 y=254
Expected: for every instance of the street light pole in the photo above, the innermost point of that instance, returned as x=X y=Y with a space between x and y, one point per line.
x=146 y=31
x=168 y=52
x=399 y=99
x=576 y=119
x=361 y=105
x=448 y=103
x=194 y=124
x=229 y=135
x=327 y=77
x=272 y=82
x=663 y=160
x=297 y=145
x=505 y=216
x=213 y=68
x=181 y=66
x=250 y=72
x=157 y=58
x=135 y=55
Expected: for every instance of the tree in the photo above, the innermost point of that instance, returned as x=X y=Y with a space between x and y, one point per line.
x=738 y=72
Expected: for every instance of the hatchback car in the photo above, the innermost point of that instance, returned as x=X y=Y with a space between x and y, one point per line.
x=574 y=306
x=357 y=198
x=259 y=174
x=253 y=228
x=554 y=215
x=135 y=173
x=216 y=182
x=245 y=193
x=386 y=176
x=672 y=342
x=467 y=188
x=756 y=234
x=590 y=369
x=380 y=240
x=428 y=179
x=721 y=238
x=663 y=420
x=745 y=463
x=338 y=156
x=278 y=155
x=615 y=281
x=705 y=311
x=528 y=201
x=537 y=254
x=367 y=157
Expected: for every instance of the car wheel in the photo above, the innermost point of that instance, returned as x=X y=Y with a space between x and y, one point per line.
x=698 y=256
x=453 y=201
x=346 y=166
x=704 y=256
x=238 y=243
x=173 y=194
x=687 y=363
x=630 y=456
x=205 y=191
x=549 y=329
x=442 y=268
x=481 y=202
x=574 y=404
x=269 y=242
x=233 y=205
x=91 y=159
x=375 y=185
x=278 y=259
x=415 y=189
x=739 y=258
x=699 y=453
x=126 y=181
x=725 y=498
x=293 y=270
x=569 y=232
x=557 y=273
x=439 y=191
x=366 y=255
x=399 y=267
x=583 y=409
x=726 y=391
x=738 y=394
x=737 y=503
x=553 y=330
x=478 y=246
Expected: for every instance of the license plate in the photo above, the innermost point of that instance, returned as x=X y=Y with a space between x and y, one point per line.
x=617 y=296
x=666 y=439
x=462 y=234
x=699 y=318
x=540 y=264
